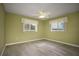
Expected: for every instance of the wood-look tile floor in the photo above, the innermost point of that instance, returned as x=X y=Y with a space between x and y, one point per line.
x=41 y=48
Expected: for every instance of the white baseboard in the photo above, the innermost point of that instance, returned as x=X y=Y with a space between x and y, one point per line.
x=74 y=45
x=21 y=42
x=46 y=39
x=3 y=51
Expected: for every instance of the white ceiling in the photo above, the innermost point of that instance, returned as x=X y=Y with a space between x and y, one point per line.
x=31 y=9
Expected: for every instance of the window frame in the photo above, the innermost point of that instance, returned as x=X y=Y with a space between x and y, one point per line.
x=29 y=30
x=51 y=25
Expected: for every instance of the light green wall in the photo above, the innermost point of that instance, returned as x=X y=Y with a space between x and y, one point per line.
x=14 y=29
x=1 y=28
x=71 y=33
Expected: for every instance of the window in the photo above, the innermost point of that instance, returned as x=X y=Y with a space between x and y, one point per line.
x=29 y=27
x=57 y=26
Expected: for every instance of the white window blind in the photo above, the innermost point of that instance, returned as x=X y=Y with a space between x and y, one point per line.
x=24 y=20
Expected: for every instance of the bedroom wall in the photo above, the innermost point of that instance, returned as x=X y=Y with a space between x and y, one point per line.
x=14 y=29
x=2 y=15
x=71 y=33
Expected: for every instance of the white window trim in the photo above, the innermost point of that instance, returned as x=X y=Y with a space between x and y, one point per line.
x=58 y=29
x=29 y=21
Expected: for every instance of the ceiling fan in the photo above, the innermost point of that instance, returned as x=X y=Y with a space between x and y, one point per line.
x=43 y=14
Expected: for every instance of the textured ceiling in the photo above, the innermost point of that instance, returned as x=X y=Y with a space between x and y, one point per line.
x=31 y=9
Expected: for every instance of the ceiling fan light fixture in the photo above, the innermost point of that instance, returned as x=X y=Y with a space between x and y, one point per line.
x=42 y=14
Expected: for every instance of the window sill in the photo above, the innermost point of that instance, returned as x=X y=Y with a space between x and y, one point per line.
x=57 y=30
